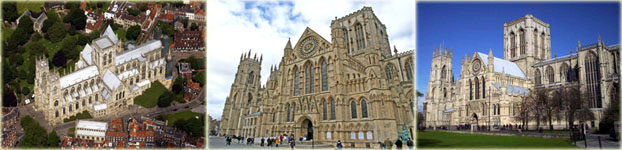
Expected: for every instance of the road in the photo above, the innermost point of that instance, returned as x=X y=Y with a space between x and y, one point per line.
x=605 y=141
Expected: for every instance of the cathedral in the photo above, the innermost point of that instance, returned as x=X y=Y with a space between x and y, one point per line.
x=351 y=88
x=105 y=79
x=490 y=89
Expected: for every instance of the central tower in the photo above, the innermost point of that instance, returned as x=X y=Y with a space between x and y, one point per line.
x=526 y=40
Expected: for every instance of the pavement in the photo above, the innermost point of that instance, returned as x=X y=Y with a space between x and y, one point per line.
x=605 y=141
x=218 y=142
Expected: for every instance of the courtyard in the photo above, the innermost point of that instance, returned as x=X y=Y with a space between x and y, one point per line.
x=437 y=139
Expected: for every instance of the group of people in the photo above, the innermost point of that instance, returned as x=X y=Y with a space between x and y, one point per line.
x=388 y=144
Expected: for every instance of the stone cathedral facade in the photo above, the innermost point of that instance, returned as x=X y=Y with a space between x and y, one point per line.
x=351 y=88
x=105 y=80
x=491 y=88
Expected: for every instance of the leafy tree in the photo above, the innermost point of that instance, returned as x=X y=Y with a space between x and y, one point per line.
x=53 y=140
x=194 y=27
x=36 y=37
x=37 y=49
x=167 y=29
x=26 y=24
x=16 y=60
x=8 y=98
x=76 y=18
x=72 y=5
x=57 y=32
x=34 y=134
x=199 y=77
x=178 y=85
x=133 y=12
x=59 y=59
x=192 y=125
x=133 y=32
x=9 y=11
x=25 y=90
x=82 y=39
x=165 y=99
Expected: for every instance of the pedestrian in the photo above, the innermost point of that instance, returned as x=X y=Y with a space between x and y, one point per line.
x=277 y=142
x=410 y=144
x=292 y=143
x=388 y=143
x=339 y=146
x=398 y=143
x=300 y=140
x=261 y=142
x=381 y=145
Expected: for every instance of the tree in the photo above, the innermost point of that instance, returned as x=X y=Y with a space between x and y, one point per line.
x=37 y=49
x=59 y=59
x=34 y=134
x=53 y=139
x=133 y=12
x=194 y=27
x=57 y=32
x=133 y=32
x=9 y=11
x=575 y=104
x=82 y=39
x=165 y=99
x=199 y=77
x=76 y=18
x=178 y=85
x=26 y=24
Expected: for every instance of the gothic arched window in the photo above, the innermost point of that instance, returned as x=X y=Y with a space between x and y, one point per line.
x=443 y=72
x=346 y=36
x=592 y=74
x=364 y=108
x=512 y=45
x=324 y=115
x=353 y=109
x=542 y=46
x=522 y=41
x=409 y=70
x=324 y=76
x=483 y=87
x=389 y=71
x=535 y=41
x=476 y=88
x=360 y=40
x=250 y=97
x=563 y=72
x=550 y=74
x=288 y=111
x=250 y=78
x=309 y=78
x=332 y=110
x=56 y=113
x=55 y=103
x=470 y=90
x=296 y=76
x=538 y=77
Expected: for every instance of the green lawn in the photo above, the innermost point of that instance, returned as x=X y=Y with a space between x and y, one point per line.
x=435 y=139
x=182 y=115
x=150 y=97
x=32 y=5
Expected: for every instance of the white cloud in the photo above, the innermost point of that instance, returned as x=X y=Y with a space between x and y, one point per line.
x=234 y=27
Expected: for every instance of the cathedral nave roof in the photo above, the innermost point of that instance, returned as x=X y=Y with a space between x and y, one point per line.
x=78 y=76
x=138 y=52
x=501 y=66
x=111 y=80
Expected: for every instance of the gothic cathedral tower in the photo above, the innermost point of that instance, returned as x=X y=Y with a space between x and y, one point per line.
x=441 y=79
x=526 y=40
x=244 y=93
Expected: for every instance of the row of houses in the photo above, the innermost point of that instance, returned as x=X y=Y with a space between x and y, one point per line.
x=140 y=132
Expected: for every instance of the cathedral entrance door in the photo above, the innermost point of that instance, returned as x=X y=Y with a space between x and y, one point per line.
x=307 y=126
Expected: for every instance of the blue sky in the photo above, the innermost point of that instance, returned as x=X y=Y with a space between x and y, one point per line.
x=235 y=27
x=478 y=26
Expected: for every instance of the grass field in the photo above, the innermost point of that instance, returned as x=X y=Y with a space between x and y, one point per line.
x=182 y=115
x=435 y=139
x=34 y=6
x=150 y=97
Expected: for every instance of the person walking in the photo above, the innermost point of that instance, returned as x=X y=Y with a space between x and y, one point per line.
x=388 y=143
x=339 y=145
x=381 y=145
x=410 y=144
x=300 y=140
x=292 y=143
x=277 y=142
x=398 y=143
x=261 y=144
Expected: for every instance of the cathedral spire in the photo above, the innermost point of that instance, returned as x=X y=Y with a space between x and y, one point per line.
x=289 y=43
x=599 y=40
